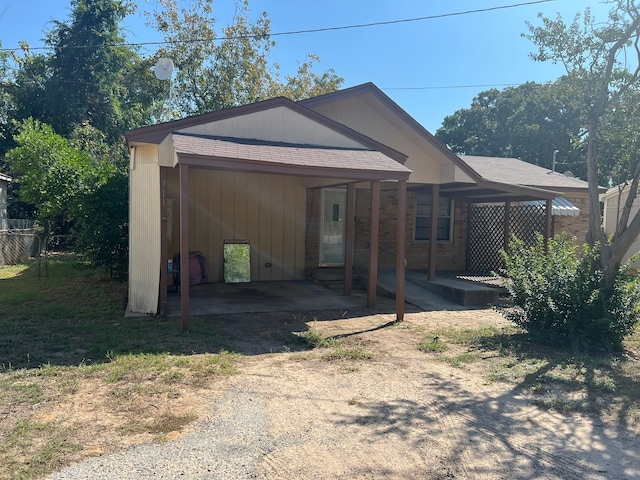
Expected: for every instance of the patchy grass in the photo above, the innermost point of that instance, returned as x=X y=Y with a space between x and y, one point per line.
x=432 y=344
x=71 y=365
x=336 y=348
x=600 y=384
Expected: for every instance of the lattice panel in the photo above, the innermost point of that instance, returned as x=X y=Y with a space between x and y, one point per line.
x=486 y=237
x=487 y=229
x=526 y=222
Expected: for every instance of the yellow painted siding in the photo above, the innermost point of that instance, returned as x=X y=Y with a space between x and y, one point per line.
x=144 y=231
x=611 y=220
x=279 y=124
x=266 y=210
x=427 y=163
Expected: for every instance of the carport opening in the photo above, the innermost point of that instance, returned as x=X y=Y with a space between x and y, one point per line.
x=237 y=261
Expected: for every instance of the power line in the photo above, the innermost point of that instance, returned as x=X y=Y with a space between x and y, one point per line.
x=443 y=87
x=312 y=30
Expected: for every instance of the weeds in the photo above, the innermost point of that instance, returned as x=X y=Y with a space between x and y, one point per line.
x=338 y=349
x=556 y=379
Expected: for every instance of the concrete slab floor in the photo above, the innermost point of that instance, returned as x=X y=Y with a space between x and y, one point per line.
x=257 y=297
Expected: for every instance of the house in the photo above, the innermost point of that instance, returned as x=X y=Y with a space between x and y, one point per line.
x=614 y=200
x=346 y=179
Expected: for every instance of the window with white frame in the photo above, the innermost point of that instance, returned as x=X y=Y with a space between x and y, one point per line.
x=423 y=217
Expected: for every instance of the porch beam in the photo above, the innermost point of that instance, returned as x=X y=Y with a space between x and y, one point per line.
x=400 y=249
x=184 y=246
x=349 y=239
x=433 y=235
x=373 y=244
x=164 y=274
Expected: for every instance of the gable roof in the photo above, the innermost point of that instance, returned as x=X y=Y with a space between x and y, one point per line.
x=393 y=108
x=154 y=134
x=516 y=172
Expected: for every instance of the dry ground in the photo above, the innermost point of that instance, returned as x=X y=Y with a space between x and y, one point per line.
x=370 y=404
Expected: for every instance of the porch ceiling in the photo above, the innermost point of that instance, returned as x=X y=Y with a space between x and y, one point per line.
x=258 y=156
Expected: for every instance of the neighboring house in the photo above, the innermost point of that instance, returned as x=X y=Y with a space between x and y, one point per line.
x=346 y=179
x=4 y=184
x=614 y=200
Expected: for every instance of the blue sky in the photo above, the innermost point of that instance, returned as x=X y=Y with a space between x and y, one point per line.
x=420 y=65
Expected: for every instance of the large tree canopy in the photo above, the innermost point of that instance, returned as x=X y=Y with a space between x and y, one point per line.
x=528 y=122
x=603 y=63
x=216 y=71
x=88 y=76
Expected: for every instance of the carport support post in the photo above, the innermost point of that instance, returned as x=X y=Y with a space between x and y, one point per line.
x=400 y=248
x=507 y=225
x=184 y=246
x=349 y=240
x=547 y=223
x=373 y=244
x=433 y=234
x=163 y=242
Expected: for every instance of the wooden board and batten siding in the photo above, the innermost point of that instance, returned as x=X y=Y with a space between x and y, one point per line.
x=268 y=211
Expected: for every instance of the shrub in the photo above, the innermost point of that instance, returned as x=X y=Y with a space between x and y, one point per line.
x=560 y=299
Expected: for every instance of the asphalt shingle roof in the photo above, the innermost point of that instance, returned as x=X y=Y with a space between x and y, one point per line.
x=516 y=172
x=286 y=154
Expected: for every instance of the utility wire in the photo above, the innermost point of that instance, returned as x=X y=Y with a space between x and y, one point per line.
x=312 y=30
x=442 y=87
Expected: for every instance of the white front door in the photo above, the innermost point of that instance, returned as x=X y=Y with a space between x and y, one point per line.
x=332 y=223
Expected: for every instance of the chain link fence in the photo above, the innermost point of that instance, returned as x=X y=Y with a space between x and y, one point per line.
x=19 y=242
x=17 y=245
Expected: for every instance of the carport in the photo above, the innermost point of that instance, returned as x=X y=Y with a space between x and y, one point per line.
x=276 y=143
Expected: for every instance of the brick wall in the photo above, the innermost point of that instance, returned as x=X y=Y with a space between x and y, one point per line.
x=574 y=226
x=450 y=255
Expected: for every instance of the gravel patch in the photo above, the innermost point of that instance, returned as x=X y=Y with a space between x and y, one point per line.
x=228 y=444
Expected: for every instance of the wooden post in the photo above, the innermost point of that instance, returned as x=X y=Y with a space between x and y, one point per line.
x=507 y=225
x=163 y=243
x=547 y=222
x=433 y=236
x=400 y=248
x=349 y=239
x=373 y=244
x=184 y=246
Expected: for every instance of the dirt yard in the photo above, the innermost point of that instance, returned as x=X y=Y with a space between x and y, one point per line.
x=381 y=409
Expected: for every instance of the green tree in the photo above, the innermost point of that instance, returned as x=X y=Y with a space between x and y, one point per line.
x=597 y=58
x=216 y=72
x=52 y=173
x=89 y=76
x=528 y=122
x=75 y=188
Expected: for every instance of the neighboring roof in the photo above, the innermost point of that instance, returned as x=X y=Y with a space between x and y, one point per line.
x=615 y=191
x=370 y=88
x=6 y=178
x=516 y=172
x=258 y=155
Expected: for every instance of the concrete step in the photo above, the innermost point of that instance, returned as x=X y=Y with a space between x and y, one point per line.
x=461 y=292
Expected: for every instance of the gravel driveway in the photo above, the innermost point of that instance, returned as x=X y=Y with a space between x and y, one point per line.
x=296 y=415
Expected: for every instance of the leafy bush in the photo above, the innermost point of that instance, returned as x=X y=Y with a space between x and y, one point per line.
x=102 y=226
x=561 y=300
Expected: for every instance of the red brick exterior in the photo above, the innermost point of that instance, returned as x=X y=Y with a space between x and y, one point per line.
x=574 y=226
x=450 y=255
